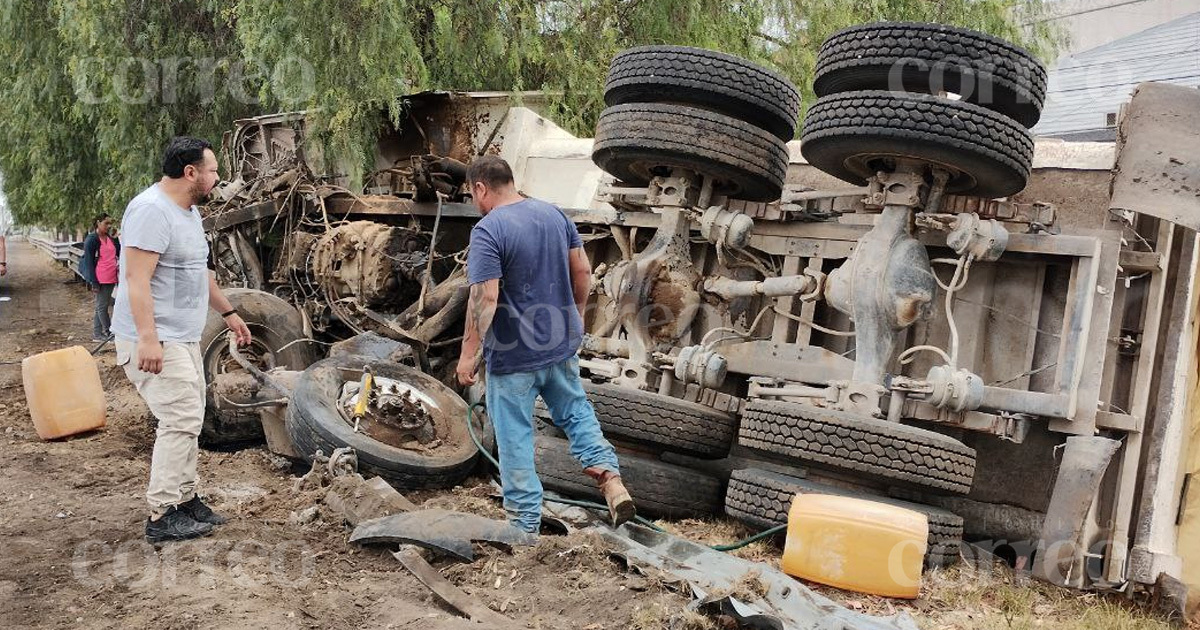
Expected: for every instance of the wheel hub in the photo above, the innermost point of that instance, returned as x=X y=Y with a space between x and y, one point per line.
x=397 y=414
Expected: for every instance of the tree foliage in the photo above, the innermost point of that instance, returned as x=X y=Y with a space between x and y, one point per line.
x=92 y=89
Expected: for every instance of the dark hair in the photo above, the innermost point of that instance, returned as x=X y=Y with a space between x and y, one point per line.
x=99 y=217
x=492 y=171
x=183 y=151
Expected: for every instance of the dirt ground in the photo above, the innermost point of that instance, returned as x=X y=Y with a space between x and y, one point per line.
x=73 y=554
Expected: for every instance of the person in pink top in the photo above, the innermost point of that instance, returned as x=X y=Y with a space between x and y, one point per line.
x=101 y=251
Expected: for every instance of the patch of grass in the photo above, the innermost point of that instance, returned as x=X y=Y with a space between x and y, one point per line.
x=721 y=531
x=966 y=598
x=748 y=588
x=651 y=617
x=692 y=620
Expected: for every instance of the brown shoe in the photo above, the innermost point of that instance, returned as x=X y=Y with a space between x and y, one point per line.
x=620 y=504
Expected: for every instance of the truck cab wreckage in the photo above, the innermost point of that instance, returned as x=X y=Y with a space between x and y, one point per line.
x=915 y=302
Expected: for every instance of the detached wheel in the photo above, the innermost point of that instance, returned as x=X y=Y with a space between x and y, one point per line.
x=763 y=499
x=860 y=444
x=930 y=58
x=655 y=420
x=707 y=79
x=637 y=142
x=279 y=341
x=659 y=489
x=854 y=135
x=426 y=446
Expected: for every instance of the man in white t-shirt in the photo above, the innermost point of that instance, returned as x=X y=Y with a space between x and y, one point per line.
x=162 y=299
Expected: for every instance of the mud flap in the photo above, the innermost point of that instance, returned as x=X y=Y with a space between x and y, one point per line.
x=443 y=531
x=1158 y=155
x=1061 y=557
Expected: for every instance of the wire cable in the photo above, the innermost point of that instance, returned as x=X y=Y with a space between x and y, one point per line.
x=816 y=326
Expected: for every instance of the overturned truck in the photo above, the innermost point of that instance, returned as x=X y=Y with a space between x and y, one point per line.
x=916 y=302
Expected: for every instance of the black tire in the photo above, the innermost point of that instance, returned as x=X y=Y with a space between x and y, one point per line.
x=853 y=135
x=839 y=440
x=763 y=499
x=639 y=141
x=314 y=422
x=707 y=79
x=659 y=489
x=929 y=58
x=274 y=324
x=651 y=419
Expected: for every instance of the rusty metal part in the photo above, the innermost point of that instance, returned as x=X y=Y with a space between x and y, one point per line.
x=656 y=292
x=443 y=531
x=259 y=375
x=391 y=412
x=1043 y=214
x=1062 y=552
x=368 y=261
x=341 y=462
x=237 y=262
x=444 y=307
x=1158 y=154
x=390 y=329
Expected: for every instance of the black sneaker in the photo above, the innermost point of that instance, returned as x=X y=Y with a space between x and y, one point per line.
x=201 y=513
x=175 y=525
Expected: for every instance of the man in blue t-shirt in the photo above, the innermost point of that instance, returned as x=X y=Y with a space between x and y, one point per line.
x=530 y=280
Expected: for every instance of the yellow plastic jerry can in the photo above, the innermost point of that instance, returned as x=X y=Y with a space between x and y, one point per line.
x=63 y=392
x=855 y=544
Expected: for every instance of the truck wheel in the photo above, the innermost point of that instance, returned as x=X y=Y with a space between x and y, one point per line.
x=762 y=499
x=854 y=135
x=639 y=141
x=317 y=420
x=835 y=439
x=276 y=327
x=655 y=420
x=659 y=489
x=929 y=58
x=706 y=79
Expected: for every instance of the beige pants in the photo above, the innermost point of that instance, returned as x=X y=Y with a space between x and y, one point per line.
x=176 y=398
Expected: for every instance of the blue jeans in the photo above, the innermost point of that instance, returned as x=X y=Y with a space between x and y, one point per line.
x=510 y=400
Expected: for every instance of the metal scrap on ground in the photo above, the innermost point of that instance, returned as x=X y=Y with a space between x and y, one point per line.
x=787 y=604
x=440 y=530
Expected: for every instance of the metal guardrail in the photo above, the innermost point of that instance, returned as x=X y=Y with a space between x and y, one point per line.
x=65 y=252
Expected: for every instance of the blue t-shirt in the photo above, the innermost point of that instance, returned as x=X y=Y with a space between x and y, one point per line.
x=525 y=245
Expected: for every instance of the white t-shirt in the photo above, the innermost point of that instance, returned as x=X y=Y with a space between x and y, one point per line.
x=179 y=286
